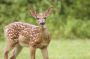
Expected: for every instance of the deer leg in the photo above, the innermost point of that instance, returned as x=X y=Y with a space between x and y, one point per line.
x=6 y=51
x=44 y=53
x=33 y=51
x=17 y=49
x=9 y=47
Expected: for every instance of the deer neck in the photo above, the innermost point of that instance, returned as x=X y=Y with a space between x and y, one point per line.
x=42 y=28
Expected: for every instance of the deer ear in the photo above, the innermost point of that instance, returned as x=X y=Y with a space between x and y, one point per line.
x=33 y=13
x=48 y=12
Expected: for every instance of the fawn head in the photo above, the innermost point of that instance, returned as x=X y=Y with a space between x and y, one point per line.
x=41 y=17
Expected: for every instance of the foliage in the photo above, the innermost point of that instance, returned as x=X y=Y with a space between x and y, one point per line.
x=69 y=19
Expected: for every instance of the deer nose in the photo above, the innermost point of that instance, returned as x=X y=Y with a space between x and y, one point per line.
x=42 y=23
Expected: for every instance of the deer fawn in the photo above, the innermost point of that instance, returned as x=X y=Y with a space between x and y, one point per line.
x=19 y=34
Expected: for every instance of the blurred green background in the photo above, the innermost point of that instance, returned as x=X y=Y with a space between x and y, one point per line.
x=69 y=18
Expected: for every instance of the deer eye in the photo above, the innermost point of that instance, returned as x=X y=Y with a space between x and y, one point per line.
x=44 y=17
x=37 y=18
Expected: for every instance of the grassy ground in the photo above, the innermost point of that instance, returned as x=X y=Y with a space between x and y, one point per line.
x=59 y=49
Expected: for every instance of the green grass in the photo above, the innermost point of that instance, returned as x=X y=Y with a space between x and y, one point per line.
x=59 y=49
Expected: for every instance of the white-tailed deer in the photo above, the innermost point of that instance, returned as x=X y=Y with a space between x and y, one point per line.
x=19 y=34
